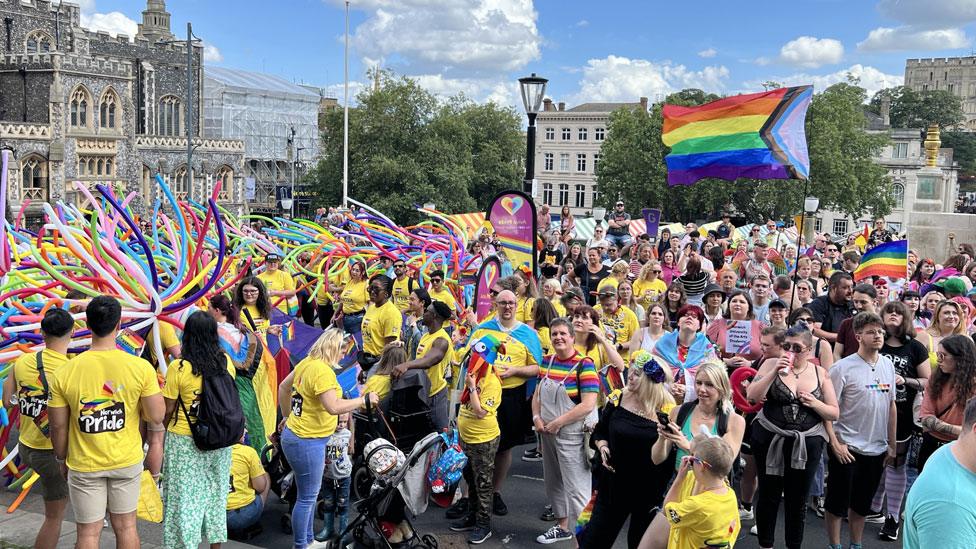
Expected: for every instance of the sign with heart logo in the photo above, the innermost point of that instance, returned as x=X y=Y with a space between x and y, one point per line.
x=512 y=215
x=487 y=277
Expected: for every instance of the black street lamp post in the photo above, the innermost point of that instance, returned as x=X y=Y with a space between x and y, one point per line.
x=533 y=90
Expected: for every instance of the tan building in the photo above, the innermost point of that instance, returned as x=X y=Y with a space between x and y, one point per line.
x=567 y=151
x=957 y=75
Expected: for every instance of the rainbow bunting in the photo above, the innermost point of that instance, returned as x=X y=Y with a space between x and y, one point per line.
x=759 y=136
x=889 y=259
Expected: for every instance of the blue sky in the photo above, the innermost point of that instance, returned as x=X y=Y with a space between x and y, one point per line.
x=610 y=50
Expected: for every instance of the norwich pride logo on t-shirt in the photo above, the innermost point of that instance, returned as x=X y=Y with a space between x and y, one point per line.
x=102 y=414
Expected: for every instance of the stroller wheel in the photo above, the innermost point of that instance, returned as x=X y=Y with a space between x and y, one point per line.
x=286 y=524
x=430 y=542
x=361 y=482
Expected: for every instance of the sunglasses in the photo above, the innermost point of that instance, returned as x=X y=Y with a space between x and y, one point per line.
x=695 y=460
x=793 y=347
x=804 y=319
x=436 y=280
x=399 y=266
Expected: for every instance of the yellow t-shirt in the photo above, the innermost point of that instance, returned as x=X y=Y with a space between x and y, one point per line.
x=545 y=340
x=260 y=323
x=182 y=384
x=379 y=384
x=244 y=466
x=324 y=296
x=474 y=430
x=380 y=323
x=354 y=297
x=556 y=304
x=620 y=327
x=278 y=281
x=31 y=395
x=608 y=281
x=308 y=418
x=523 y=311
x=595 y=354
x=167 y=338
x=436 y=372
x=701 y=519
x=444 y=296
x=641 y=287
x=101 y=390
x=401 y=293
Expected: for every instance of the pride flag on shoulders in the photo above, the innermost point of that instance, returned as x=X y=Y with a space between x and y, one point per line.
x=758 y=135
x=889 y=259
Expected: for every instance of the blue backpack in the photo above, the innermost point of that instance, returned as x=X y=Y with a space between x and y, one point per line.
x=446 y=470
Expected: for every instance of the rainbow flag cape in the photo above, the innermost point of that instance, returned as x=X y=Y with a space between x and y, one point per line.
x=889 y=259
x=758 y=135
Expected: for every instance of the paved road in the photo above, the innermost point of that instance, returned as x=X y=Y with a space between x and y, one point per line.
x=525 y=496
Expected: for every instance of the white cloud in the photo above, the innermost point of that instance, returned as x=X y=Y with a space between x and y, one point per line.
x=871 y=79
x=810 y=52
x=582 y=23
x=622 y=79
x=114 y=23
x=452 y=38
x=708 y=53
x=908 y=37
x=211 y=53
x=938 y=14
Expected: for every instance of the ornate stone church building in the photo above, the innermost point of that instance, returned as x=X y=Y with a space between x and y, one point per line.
x=80 y=108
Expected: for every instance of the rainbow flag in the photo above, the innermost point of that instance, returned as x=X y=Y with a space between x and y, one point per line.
x=288 y=331
x=889 y=259
x=758 y=135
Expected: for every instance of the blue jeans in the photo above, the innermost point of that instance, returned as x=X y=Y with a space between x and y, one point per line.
x=250 y=514
x=353 y=323
x=307 y=459
x=335 y=495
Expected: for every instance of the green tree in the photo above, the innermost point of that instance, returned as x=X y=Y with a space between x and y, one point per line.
x=912 y=109
x=632 y=165
x=406 y=148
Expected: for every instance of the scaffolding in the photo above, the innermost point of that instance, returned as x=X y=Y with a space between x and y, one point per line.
x=263 y=111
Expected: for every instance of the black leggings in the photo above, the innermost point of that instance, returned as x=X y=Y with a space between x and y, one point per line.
x=614 y=504
x=325 y=315
x=792 y=488
x=929 y=445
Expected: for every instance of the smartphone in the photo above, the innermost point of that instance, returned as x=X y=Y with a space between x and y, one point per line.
x=663 y=419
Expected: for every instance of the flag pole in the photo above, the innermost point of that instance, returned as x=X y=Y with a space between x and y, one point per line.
x=799 y=235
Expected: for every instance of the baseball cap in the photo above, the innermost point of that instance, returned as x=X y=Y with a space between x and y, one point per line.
x=572 y=293
x=620 y=203
x=272 y=257
x=607 y=291
x=952 y=286
x=778 y=303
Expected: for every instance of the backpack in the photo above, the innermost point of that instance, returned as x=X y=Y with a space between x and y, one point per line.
x=220 y=418
x=446 y=471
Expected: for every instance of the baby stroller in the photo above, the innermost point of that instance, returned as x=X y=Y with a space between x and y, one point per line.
x=398 y=484
x=281 y=477
x=404 y=418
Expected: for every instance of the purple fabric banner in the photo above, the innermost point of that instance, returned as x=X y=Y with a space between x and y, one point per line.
x=652 y=218
x=513 y=218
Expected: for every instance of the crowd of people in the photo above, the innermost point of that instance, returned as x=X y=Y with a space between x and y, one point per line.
x=684 y=382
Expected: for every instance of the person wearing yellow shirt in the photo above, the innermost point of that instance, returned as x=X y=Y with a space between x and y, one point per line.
x=700 y=509
x=29 y=386
x=438 y=290
x=251 y=299
x=354 y=298
x=552 y=291
x=618 y=322
x=618 y=273
x=649 y=288
x=480 y=435
x=96 y=402
x=433 y=357
x=195 y=494
x=381 y=323
x=248 y=490
x=280 y=285
x=403 y=284
x=310 y=399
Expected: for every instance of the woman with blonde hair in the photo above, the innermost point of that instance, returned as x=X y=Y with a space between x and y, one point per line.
x=649 y=288
x=618 y=273
x=310 y=400
x=947 y=320
x=551 y=291
x=711 y=411
x=630 y=485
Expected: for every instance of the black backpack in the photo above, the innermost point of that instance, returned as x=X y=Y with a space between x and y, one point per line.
x=220 y=418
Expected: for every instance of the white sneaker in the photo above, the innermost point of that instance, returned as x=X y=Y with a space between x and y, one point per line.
x=746 y=514
x=754 y=530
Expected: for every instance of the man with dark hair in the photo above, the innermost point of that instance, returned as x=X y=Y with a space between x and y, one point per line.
x=759 y=286
x=438 y=290
x=851 y=259
x=434 y=359
x=96 y=402
x=831 y=309
x=864 y=299
x=941 y=509
x=862 y=440
x=36 y=450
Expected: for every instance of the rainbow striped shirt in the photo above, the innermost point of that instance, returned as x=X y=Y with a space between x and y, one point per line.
x=557 y=370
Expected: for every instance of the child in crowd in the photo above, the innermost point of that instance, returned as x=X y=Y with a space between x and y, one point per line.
x=700 y=509
x=335 y=481
x=248 y=491
x=378 y=378
x=480 y=435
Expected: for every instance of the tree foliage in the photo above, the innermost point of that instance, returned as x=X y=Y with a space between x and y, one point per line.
x=912 y=109
x=407 y=147
x=842 y=171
